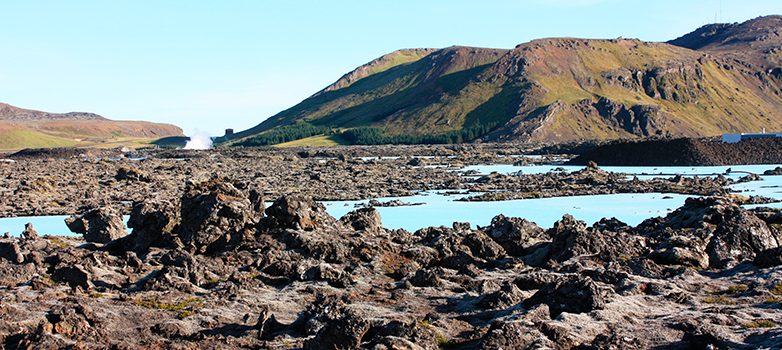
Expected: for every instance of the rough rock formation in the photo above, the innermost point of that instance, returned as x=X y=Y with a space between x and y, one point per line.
x=214 y=215
x=100 y=225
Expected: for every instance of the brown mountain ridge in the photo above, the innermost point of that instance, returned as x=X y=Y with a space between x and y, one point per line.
x=720 y=78
x=25 y=128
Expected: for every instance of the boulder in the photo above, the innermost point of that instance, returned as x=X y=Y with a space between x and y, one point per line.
x=298 y=213
x=267 y=325
x=769 y=258
x=513 y=335
x=459 y=246
x=508 y=295
x=173 y=329
x=740 y=237
x=29 y=232
x=403 y=335
x=11 y=251
x=131 y=174
x=681 y=249
x=571 y=238
x=364 y=219
x=344 y=333
x=215 y=215
x=331 y=275
x=426 y=278
x=101 y=225
x=154 y=224
x=515 y=235
x=74 y=275
x=575 y=294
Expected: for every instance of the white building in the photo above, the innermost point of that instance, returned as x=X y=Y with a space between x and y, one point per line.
x=734 y=138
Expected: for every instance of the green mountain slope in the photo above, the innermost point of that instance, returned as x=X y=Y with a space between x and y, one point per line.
x=718 y=79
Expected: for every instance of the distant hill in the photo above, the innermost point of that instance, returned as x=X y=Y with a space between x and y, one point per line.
x=25 y=128
x=720 y=78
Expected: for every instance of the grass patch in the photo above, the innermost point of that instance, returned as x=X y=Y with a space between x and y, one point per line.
x=760 y=324
x=319 y=141
x=776 y=289
x=17 y=139
x=736 y=289
x=58 y=242
x=442 y=341
x=722 y=300
x=184 y=308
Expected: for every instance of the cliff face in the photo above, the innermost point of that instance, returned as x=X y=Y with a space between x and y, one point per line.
x=720 y=78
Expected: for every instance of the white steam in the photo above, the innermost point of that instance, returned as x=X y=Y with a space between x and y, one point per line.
x=199 y=140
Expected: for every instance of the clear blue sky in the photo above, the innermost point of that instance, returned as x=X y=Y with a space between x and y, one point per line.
x=209 y=65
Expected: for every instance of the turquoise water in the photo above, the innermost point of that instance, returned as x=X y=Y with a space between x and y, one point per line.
x=771 y=186
x=737 y=171
x=441 y=209
x=44 y=225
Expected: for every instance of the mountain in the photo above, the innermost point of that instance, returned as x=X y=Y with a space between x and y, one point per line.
x=720 y=78
x=757 y=40
x=25 y=128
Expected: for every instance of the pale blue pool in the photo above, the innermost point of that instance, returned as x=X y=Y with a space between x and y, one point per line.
x=444 y=210
x=440 y=209
x=44 y=225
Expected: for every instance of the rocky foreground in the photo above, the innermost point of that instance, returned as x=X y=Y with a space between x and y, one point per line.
x=214 y=269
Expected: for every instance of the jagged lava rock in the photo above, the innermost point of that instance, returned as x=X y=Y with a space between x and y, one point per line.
x=101 y=225
x=155 y=224
x=575 y=294
x=214 y=214
x=298 y=213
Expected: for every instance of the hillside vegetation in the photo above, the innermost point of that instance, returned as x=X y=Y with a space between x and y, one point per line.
x=720 y=78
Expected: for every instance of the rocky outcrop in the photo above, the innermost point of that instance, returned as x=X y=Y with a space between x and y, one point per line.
x=773 y=172
x=712 y=231
x=343 y=333
x=365 y=219
x=131 y=174
x=101 y=225
x=214 y=215
x=573 y=295
x=296 y=212
x=516 y=236
x=154 y=224
x=608 y=240
x=740 y=237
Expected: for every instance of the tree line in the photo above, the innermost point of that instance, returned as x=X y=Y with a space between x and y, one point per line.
x=286 y=133
x=364 y=135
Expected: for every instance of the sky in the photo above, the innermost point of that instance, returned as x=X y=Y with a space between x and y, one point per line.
x=210 y=65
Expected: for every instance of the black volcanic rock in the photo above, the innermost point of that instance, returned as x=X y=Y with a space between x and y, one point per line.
x=516 y=235
x=214 y=215
x=573 y=295
x=100 y=225
x=296 y=212
x=154 y=224
x=678 y=152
